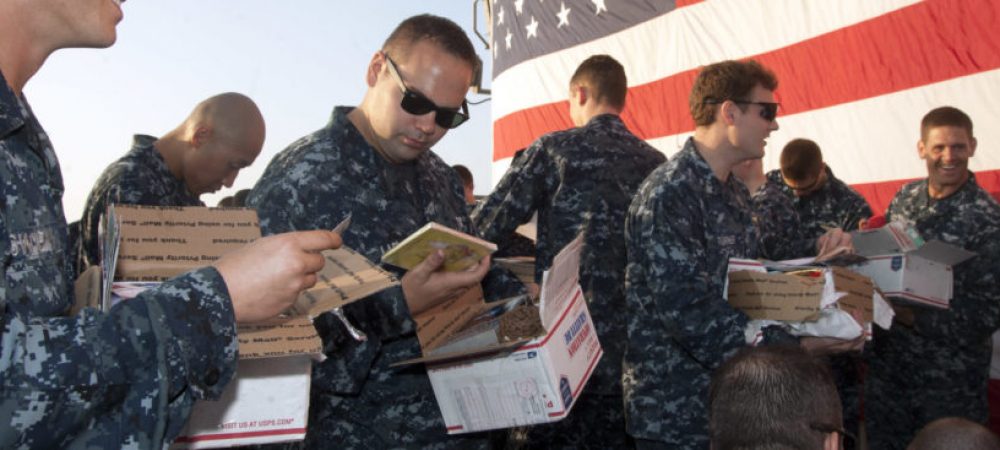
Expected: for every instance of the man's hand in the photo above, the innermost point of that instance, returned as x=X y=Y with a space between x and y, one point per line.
x=829 y=242
x=425 y=286
x=265 y=277
x=828 y=346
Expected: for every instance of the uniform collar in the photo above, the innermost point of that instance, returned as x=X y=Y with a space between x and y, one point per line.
x=11 y=115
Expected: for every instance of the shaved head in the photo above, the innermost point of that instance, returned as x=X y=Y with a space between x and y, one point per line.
x=232 y=117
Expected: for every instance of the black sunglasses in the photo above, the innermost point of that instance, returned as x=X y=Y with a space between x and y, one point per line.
x=417 y=104
x=768 y=110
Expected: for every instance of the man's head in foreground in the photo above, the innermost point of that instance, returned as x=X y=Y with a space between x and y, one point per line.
x=774 y=397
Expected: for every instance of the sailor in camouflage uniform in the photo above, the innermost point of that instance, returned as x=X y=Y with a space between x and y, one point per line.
x=939 y=366
x=220 y=137
x=127 y=378
x=822 y=200
x=582 y=180
x=688 y=218
x=373 y=164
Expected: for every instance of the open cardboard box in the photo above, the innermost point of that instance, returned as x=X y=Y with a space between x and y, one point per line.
x=268 y=400
x=798 y=296
x=905 y=267
x=483 y=381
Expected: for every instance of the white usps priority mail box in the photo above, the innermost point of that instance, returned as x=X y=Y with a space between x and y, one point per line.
x=485 y=377
x=267 y=402
x=537 y=383
x=915 y=271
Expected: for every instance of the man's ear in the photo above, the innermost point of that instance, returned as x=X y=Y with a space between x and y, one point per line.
x=972 y=147
x=581 y=94
x=727 y=112
x=202 y=134
x=374 y=68
x=832 y=441
x=921 y=151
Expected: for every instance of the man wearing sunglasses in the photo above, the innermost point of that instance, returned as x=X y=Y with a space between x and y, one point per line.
x=581 y=180
x=688 y=218
x=374 y=164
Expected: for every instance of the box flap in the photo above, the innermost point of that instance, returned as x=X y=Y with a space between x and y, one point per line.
x=158 y=242
x=346 y=277
x=775 y=296
x=894 y=237
x=559 y=282
x=87 y=290
x=859 y=292
x=464 y=356
x=943 y=252
x=282 y=336
x=437 y=323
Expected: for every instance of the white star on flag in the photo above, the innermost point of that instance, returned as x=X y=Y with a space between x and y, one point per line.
x=519 y=5
x=508 y=38
x=598 y=5
x=500 y=15
x=563 y=16
x=532 y=28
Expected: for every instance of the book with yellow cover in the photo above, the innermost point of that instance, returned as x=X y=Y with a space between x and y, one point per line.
x=461 y=250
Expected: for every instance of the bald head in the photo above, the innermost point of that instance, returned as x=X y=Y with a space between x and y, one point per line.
x=232 y=117
x=954 y=433
x=222 y=135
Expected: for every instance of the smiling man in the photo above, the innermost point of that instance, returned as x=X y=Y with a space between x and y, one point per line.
x=939 y=366
x=221 y=136
x=374 y=164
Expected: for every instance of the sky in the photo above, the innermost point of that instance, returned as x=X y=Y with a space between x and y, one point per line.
x=297 y=60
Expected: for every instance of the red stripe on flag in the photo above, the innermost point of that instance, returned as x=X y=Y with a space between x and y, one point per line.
x=883 y=55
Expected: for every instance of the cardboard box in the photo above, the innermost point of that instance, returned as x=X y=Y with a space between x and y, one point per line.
x=916 y=272
x=798 y=296
x=268 y=400
x=483 y=382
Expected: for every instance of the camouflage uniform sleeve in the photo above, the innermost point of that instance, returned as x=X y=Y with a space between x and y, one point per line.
x=669 y=279
x=776 y=219
x=513 y=200
x=278 y=202
x=161 y=351
x=855 y=208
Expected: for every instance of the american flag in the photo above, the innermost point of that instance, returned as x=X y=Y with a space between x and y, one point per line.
x=855 y=76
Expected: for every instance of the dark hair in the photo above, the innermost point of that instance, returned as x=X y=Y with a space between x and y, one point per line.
x=606 y=77
x=727 y=80
x=772 y=397
x=464 y=174
x=441 y=31
x=801 y=159
x=945 y=116
x=954 y=433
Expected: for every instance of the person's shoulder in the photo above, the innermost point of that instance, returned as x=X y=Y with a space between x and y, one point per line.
x=910 y=191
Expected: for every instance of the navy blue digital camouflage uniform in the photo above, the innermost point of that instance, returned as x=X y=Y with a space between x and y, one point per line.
x=357 y=400
x=124 y=379
x=835 y=205
x=682 y=228
x=940 y=366
x=779 y=225
x=580 y=180
x=141 y=177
